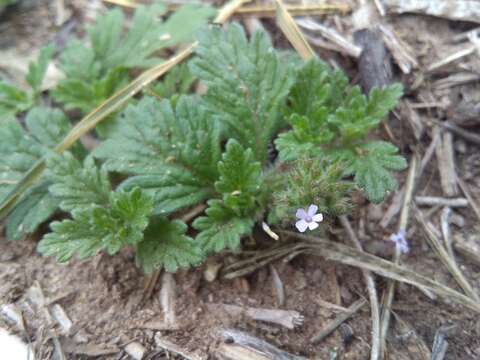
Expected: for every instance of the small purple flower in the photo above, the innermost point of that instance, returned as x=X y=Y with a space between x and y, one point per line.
x=308 y=219
x=400 y=241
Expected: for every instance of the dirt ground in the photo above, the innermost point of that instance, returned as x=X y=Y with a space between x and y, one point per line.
x=104 y=296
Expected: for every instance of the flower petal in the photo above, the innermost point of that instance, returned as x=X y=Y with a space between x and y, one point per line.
x=312 y=225
x=301 y=214
x=312 y=210
x=317 y=217
x=301 y=225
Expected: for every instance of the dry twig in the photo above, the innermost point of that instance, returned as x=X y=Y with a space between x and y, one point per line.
x=433 y=201
x=340 y=319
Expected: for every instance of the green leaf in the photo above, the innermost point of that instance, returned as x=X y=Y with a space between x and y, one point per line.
x=317 y=86
x=325 y=111
x=77 y=93
x=240 y=178
x=80 y=187
x=98 y=228
x=292 y=148
x=165 y=245
x=94 y=73
x=19 y=150
x=171 y=153
x=13 y=100
x=247 y=84
x=221 y=228
x=177 y=82
x=382 y=101
x=36 y=71
x=36 y=206
x=371 y=163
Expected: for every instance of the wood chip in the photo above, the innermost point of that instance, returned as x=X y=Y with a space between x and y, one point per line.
x=286 y=318
x=242 y=346
x=62 y=319
x=446 y=165
x=465 y=10
x=135 y=350
x=167 y=298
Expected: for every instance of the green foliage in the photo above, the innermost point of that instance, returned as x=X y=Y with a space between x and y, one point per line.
x=240 y=183
x=240 y=179
x=311 y=181
x=14 y=100
x=247 y=84
x=221 y=228
x=166 y=245
x=177 y=82
x=170 y=153
x=370 y=163
x=19 y=150
x=95 y=72
x=332 y=120
x=110 y=227
x=79 y=186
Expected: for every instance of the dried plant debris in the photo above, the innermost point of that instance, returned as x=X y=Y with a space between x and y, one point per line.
x=465 y=10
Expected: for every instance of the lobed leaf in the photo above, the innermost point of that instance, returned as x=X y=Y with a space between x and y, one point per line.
x=98 y=228
x=221 y=228
x=170 y=153
x=165 y=245
x=247 y=84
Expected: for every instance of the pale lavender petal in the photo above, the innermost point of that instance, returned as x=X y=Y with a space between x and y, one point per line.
x=312 y=210
x=317 y=217
x=312 y=225
x=301 y=225
x=301 y=214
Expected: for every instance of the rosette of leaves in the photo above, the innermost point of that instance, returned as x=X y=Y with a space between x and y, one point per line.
x=332 y=120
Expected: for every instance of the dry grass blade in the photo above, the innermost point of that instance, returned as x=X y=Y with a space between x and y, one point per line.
x=350 y=256
x=262 y=258
x=288 y=26
x=388 y=299
x=445 y=258
x=372 y=293
x=112 y=104
x=264 y=10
